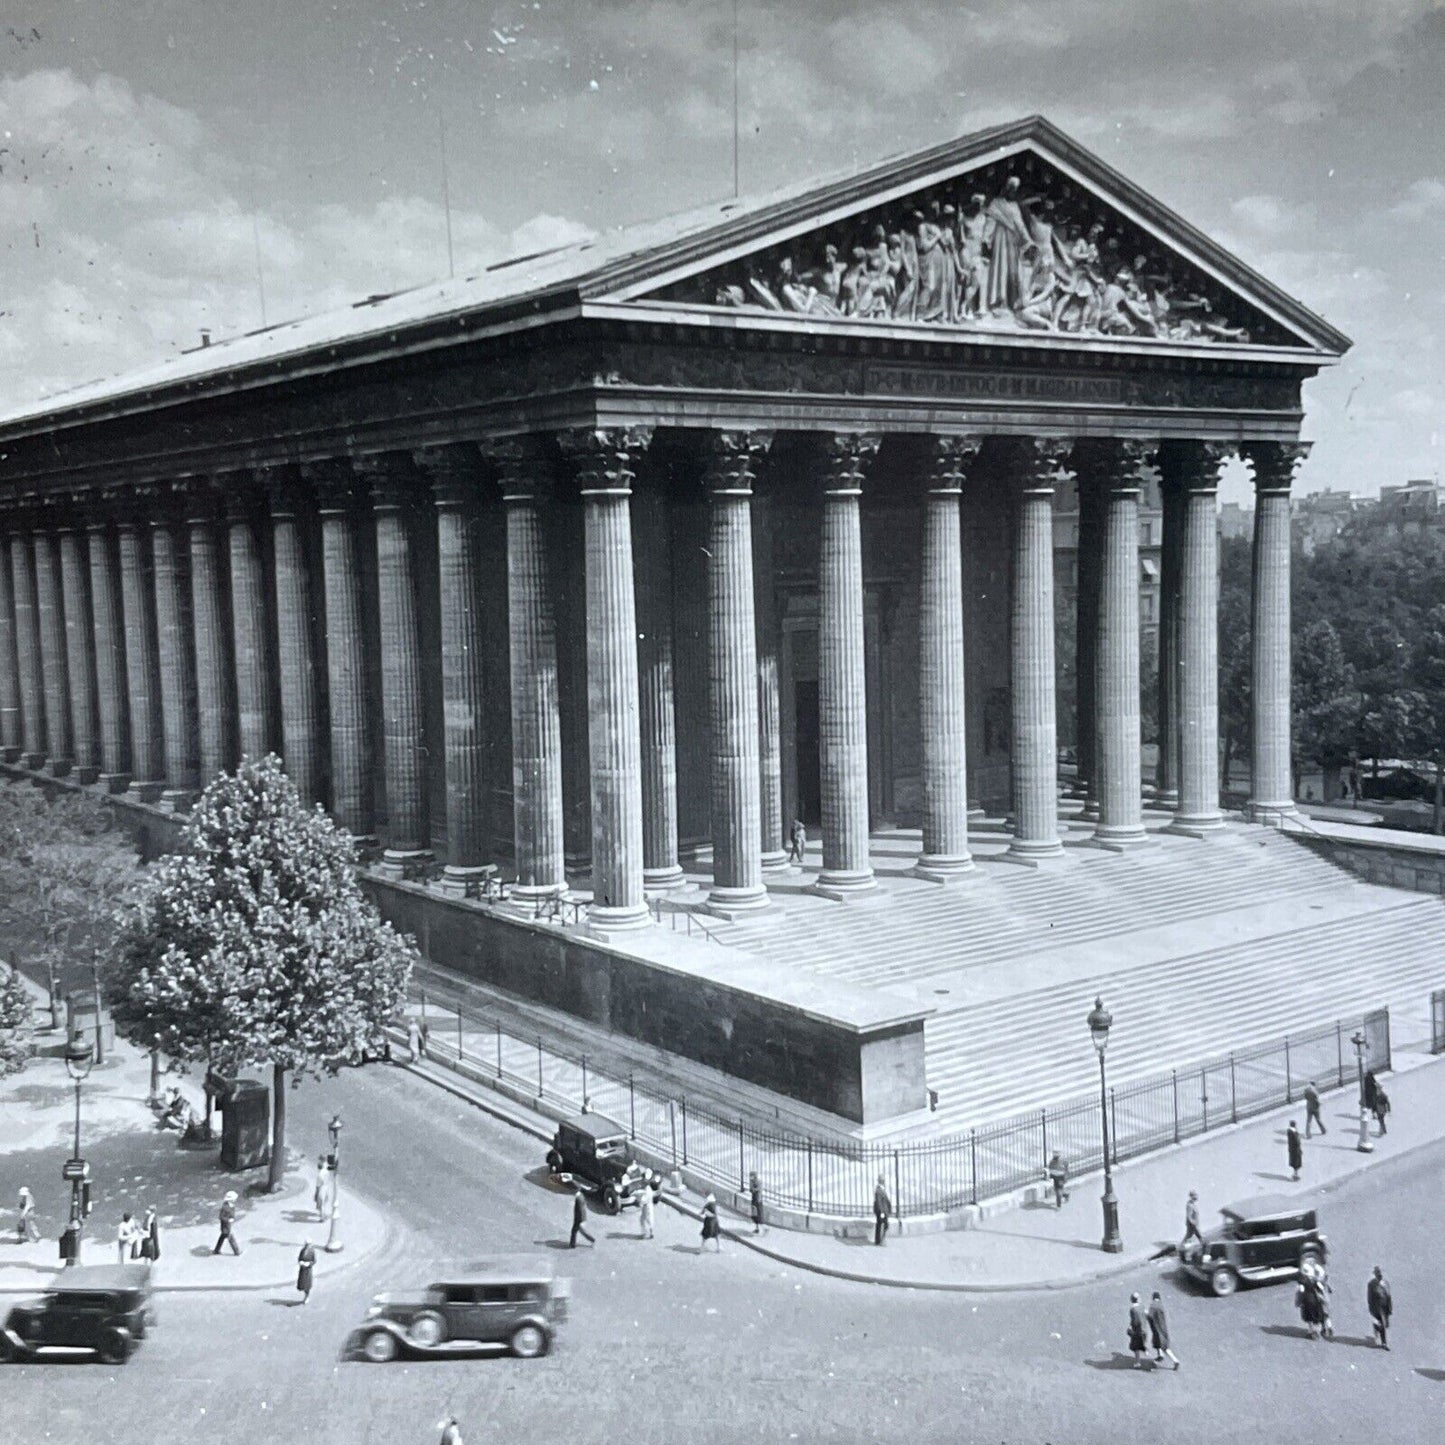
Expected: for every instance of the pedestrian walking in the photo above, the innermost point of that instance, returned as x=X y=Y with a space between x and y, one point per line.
x=797 y=841
x=125 y=1237
x=1312 y=1109
x=140 y=1234
x=647 y=1205
x=882 y=1208
x=1138 y=1327
x=711 y=1224
x=151 y=1227
x=1159 y=1330
x=1059 y=1176
x=1191 y=1222
x=1382 y=1108
x=26 y=1229
x=1312 y=1300
x=321 y=1195
x=755 y=1201
x=1381 y=1305
x=451 y=1432
x=579 y=1219
x=1369 y=1089
x=413 y=1039
x=227 y=1221
x=305 y=1269
x=1296 y=1150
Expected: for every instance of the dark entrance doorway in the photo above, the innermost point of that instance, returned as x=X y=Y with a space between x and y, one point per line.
x=809 y=763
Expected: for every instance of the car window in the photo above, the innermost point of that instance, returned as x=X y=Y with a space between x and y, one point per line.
x=610 y=1148
x=457 y=1294
x=529 y=1293
x=493 y=1294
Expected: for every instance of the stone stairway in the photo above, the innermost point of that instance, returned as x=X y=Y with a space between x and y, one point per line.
x=1199 y=948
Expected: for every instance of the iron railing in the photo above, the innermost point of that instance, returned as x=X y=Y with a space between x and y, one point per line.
x=930 y=1176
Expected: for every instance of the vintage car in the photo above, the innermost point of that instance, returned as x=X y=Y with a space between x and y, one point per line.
x=1261 y=1241
x=511 y=1300
x=103 y=1308
x=593 y=1151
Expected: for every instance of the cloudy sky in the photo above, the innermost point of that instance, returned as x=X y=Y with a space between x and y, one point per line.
x=167 y=165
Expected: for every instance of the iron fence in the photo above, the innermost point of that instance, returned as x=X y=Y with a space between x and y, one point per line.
x=929 y=1176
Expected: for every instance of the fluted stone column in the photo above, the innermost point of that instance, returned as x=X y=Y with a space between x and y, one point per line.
x=142 y=662
x=80 y=654
x=1171 y=559
x=177 y=658
x=604 y=461
x=11 y=723
x=303 y=744
x=1086 y=630
x=842 y=690
x=532 y=653
x=455 y=474
x=108 y=620
x=408 y=834
x=50 y=605
x=942 y=710
x=353 y=788
x=1271 y=794
x=249 y=611
x=1194 y=468
x=652 y=559
x=1116 y=669
x=770 y=728
x=1036 y=465
x=737 y=866
x=27 y=646
x=211 y=622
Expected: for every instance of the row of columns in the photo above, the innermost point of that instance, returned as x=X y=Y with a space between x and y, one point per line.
x=143 y=653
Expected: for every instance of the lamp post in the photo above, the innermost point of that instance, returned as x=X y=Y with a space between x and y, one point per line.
x=333 y=1129
x=1364 y=1144
x=79 y=1059
x=155 y=1095
x=95 y=984
x=1100 y=1021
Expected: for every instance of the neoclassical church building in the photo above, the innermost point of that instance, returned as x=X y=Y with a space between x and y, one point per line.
x=591 y=573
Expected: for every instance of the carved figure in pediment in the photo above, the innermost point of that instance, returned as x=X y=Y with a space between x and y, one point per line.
x=1123 y=307
x=730 y=295
x=937 y=278
x=972 y=264
x=762 y=293
x=905 y=302
x=1005 y=237
x=1076 y=299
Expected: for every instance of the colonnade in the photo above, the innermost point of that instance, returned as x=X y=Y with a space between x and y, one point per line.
x=150 y=645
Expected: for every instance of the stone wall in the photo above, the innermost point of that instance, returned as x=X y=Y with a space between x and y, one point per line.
x=1392 y=858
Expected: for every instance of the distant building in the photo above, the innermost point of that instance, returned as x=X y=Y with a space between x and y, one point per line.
x=1235 y=522
x=1411 y=503
x=1320 y=517
x=1151 y=537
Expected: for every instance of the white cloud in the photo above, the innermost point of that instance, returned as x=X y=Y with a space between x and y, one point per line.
x=1425 y=197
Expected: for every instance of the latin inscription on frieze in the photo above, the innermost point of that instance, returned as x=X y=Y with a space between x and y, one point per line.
x=994 y=385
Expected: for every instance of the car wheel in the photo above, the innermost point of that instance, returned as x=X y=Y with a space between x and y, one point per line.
x=528 y=1341
x=7 y=1351
x=611 y=1199
x=1223 y=1281
x=114 y=1347
x=427 y=1330
x=379 y=1347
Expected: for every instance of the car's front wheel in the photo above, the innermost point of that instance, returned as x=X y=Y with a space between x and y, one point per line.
x=1223 y=1281
x=427 y=1330
x=528 y=1341
x=379 y=1347
x=611 y=1199
x=114 y=1347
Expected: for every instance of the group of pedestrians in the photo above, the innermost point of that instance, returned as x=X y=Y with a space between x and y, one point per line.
x=138 y=1239
x=649 y=1192
x=1149 y=1326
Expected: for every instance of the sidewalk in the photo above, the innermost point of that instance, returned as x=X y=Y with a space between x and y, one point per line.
x=134 y=1164
x=1031 y=1245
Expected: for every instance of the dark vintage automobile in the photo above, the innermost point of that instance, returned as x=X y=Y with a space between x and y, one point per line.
x=593 y=1151
x=511 y=1300
x=103 y=1308
x=1262 y=1241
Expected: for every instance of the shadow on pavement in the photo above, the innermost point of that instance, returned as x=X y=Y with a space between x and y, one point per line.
x=551 y=1244
x=1429 y=1374
x=1120 y=1361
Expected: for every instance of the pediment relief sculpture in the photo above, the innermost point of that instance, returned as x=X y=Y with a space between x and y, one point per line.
x=1013 y=247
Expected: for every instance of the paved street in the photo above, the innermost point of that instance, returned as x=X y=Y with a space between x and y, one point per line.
x=668 y=1346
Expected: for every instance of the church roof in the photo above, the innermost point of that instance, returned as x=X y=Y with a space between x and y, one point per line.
x=668 y=265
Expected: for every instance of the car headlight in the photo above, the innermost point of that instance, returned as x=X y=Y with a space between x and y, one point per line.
x=372 y=1311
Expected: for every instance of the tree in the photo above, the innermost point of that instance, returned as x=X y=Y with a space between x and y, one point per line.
x=255 y=945
x=15 y=1015
x=65 y=865
x=1429 y=676
x=1326 y=702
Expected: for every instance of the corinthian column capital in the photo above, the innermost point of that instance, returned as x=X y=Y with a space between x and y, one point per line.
x=602 y=458
x=846 y=458
x=732 y=459
x=1193 y=465
x=1275 y=463
x=334 y=482
x=950 y=460
x=454 y=472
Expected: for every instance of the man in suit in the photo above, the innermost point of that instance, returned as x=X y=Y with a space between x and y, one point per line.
x=579 y=1219
x=882 y=1208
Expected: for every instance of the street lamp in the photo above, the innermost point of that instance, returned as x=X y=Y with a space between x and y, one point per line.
x=95 y=983
x=1100 y=1021
x=1364 y=1145
x=79 y=1060
x=333 y=1129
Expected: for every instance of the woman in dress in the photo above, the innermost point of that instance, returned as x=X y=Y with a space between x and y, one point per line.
x=1138 y=1326
x=711 y=1226
x=305 y=1265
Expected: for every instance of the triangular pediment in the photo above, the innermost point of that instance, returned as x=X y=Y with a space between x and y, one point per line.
x=1016 y=231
